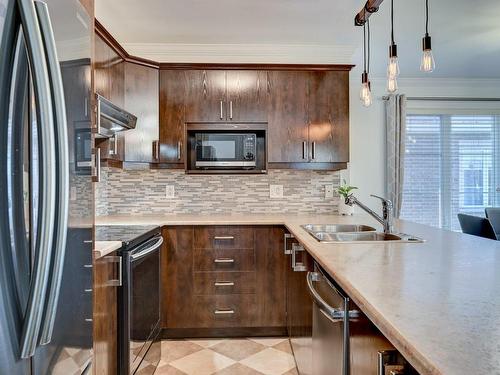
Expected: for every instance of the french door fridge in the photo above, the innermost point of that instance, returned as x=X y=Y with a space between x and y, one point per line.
x=46 y=197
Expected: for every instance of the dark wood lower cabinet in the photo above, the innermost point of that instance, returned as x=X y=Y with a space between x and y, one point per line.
x=211 y=287
x=105 y=318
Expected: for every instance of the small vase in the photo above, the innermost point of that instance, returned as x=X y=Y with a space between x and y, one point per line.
x=343 y=208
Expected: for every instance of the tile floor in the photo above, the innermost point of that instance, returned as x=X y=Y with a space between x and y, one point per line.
x=252 y=356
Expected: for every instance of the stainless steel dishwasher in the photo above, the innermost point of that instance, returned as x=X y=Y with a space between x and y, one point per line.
x=344 y=340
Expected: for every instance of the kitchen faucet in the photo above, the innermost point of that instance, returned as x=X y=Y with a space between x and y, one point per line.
x=387 y=211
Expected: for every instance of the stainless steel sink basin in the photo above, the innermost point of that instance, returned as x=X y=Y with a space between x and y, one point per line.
x=326 y=237
x=337 y=228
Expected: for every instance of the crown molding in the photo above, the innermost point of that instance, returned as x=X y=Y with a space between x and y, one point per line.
x=243 y=53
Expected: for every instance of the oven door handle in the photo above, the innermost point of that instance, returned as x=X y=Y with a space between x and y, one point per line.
x=331 y=312
x=148 y=250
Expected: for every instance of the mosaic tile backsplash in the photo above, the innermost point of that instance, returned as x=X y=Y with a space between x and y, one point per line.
x=122 y=192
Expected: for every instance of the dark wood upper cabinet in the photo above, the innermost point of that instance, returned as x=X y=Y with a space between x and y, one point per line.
x=287 y=117
x=247 y=94
x=141 y=99
x=205 y=99
x=173 y=102
x=328 y=117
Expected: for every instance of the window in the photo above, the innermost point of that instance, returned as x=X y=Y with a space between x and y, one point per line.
x=452 y=165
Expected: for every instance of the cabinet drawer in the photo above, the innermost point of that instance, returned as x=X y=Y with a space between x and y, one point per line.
x=223 y=237
x=224 y=260
x=220 y=283
x=238 y=310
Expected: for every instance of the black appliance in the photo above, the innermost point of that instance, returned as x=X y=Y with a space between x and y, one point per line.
x=139 y=296
x=83 y=151
x=45 y=237
x=226 y=150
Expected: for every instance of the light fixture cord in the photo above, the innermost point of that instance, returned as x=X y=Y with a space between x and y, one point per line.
x=368 y=27
x=392 y=21
x=426 y=17
x=364 y=43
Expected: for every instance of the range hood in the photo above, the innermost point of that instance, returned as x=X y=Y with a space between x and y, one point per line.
x=112 y=119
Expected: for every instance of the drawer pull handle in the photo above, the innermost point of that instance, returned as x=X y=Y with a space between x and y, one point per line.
x=224 y=283
x=224 y=312
x=224 y=238
x=224 y=260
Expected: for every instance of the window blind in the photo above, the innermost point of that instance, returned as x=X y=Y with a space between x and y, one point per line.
x=452 y=165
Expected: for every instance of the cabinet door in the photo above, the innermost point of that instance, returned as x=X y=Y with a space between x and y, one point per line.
x=206 y=96
x=105 y=317
x=287 y=117
x=247 y=94
x=141 y=99
x=173 y=97
x=328 y=117
x=76 y=80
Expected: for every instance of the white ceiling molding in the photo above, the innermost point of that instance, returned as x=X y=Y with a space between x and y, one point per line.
x=243 y=53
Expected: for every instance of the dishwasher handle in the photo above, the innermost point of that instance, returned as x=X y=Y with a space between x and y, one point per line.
x=330 y=311
x=325 y=308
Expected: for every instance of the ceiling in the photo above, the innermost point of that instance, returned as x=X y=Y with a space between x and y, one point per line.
x=465 y=35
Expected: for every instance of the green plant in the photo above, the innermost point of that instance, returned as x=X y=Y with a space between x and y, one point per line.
x=345 y=190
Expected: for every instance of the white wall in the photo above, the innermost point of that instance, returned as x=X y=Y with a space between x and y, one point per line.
x=367 y=133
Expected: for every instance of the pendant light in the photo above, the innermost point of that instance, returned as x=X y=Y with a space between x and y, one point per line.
x=393 y=66
x=365 y=94
x=427 y=64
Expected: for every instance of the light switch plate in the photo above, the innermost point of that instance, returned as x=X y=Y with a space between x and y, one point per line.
x=276 y=191
x=328 y=191
x=169 y=192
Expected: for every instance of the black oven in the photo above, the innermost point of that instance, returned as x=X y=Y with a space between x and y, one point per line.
x=139 y=304
x=220 y=150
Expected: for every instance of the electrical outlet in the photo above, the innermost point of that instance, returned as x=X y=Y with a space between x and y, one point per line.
x=169 y=192
x=328 y=191
x=276 y=191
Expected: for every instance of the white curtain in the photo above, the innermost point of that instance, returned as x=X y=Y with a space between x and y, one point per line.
x=395 y=112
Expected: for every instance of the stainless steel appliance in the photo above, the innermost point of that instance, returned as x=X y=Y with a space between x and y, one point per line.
x=139 y=296
x=226 y=150
x=344 y=340
x=112 y=119
x=46 y=207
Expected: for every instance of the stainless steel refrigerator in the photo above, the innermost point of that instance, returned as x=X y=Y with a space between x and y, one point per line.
x=46 y=197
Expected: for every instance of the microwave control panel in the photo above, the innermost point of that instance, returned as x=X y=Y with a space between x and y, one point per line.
x=249 y=147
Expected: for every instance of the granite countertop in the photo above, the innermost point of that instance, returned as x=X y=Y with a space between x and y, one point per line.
x=103 y=248
x=438 y=302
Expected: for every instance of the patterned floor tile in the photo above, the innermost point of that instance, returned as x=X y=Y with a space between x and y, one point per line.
x=238 y=349
x=284 y=346
x=168 y=370
x=268 y=341
x=204 y=362
x=238 y=369
x=206 y=343
x=270 y=362
x=175 y=349
x=292 y=372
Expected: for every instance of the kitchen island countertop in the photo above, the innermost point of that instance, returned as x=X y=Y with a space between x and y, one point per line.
x=438 y=302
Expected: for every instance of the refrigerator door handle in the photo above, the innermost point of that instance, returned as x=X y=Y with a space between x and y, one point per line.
x=61 y=135
x=41 y=270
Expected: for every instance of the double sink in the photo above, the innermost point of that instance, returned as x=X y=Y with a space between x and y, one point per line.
x=334 y=233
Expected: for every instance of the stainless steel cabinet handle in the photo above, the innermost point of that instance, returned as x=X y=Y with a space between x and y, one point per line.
x=118 y=260
x=230 y=109
x=61 y=134
x=313 y=150
x=221 y=238
x=96 y=152
x=156 y=148
x=43 y=96
x=98 y=117
x=86 y=107
x=179 y=150
x=115 y=144
x=297 y=267
x=304 y=150
x=224 y=283
x=221 y=110
x=287 y=251
x=224 y=312
x=223 y=260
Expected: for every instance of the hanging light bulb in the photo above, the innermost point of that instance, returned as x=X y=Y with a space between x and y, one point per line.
x=365 y=93
x=393 y=65
x=427 y=63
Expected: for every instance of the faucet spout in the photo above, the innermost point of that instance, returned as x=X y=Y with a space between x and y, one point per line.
x=387 y=211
